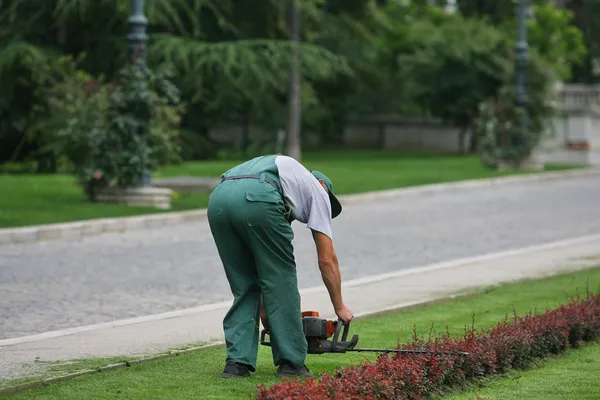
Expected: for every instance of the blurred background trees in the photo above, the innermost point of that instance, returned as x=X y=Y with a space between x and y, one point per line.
x=234 y=61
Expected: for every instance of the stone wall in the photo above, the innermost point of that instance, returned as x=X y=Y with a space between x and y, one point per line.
x=368 y=132
x=575 y=138
x=393 y=133
x=577 y=95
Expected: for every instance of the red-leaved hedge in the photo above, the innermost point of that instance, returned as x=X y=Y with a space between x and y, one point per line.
x=513 y=343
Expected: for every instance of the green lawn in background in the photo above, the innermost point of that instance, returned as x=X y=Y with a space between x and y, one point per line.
x=43 y=199
x=574 y=376
x=196 y=375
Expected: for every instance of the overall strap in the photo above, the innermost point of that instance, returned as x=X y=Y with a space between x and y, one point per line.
x=261 y=177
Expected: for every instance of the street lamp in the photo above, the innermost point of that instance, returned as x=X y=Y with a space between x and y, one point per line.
x=521 y=56
x=137 y=40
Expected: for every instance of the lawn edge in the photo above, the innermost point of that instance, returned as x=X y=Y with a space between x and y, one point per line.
x=98 y=226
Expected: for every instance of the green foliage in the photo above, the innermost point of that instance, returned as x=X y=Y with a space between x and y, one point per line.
x=231 y=59
x=195 y=146
x=562 y=35
x=585 y=17
x=454 y=66
x=493 y=11
x=463 y=71
x=241 y=70
x=552 y=35
x=109 y=131
x=372 y=87
x=555 y=48
x=11 y=54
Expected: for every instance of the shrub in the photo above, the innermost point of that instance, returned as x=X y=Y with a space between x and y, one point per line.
x=512 y=343
x=109 y=131
x=497 y=125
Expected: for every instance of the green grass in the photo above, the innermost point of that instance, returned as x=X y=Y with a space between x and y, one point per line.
x=55 y=369
x=576 y=375
x=196 y=375
x=44 y=199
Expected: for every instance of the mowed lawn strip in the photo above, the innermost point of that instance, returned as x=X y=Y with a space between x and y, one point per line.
x=196 y=375
x=575 y=375
x=43 y=199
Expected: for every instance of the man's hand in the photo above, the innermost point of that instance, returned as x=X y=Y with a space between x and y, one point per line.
x=263 y=315
x=344 y=314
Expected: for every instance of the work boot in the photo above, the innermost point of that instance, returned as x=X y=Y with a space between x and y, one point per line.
x=286 y=370
x=235 y=370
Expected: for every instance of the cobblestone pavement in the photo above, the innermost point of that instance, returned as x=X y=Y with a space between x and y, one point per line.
x=56 y=285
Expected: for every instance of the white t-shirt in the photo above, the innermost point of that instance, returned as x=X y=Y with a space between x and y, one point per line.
x=308 y=200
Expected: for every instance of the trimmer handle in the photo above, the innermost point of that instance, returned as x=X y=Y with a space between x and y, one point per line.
x=336 y=335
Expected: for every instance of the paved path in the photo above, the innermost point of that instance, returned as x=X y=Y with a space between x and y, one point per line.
x=60 y=284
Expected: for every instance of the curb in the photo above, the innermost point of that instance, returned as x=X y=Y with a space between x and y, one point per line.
x=82 y=229
x=472 y=183
x=10 y=390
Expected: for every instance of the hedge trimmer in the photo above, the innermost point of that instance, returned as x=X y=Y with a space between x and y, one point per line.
x=317 y=330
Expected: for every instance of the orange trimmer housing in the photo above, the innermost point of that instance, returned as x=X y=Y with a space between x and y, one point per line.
x=329 y=324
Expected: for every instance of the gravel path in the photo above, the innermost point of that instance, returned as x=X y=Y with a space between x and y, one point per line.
x=55 y=285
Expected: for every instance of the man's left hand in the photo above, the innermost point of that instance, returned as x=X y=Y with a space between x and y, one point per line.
x=263 y=315
x=265 y=321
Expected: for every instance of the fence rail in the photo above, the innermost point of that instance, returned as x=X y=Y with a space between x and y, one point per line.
x=578 y=95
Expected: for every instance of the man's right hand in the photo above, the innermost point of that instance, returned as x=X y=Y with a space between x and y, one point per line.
x=344 y=314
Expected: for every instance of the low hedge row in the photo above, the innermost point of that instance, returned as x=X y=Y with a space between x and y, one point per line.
x=514 y=343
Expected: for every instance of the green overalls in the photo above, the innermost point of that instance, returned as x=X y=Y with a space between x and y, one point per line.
x=253 y=235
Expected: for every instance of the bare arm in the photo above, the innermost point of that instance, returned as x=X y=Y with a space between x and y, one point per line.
x=330 y=272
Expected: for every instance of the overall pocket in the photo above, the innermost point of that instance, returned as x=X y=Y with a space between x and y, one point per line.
x=264 y=208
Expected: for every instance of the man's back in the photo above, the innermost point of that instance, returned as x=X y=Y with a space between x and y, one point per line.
x=309 y=202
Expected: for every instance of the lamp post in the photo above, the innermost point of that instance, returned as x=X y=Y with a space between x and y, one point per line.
x=521 y=56
x=137 y=39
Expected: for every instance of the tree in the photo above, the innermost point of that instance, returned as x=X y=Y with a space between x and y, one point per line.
x=585 y=14
x=454 y=67
x=494 y=11
x=551 y=33
x=358 y=30
x=227 y=63
x=101 y=127
x=293 y=147
x=552 y=30
x=498 y=122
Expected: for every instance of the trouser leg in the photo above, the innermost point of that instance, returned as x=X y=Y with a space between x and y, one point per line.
x=270 y=237
x=241 y=322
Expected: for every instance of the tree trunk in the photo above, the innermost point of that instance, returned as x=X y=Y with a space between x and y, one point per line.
x=293 y=146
